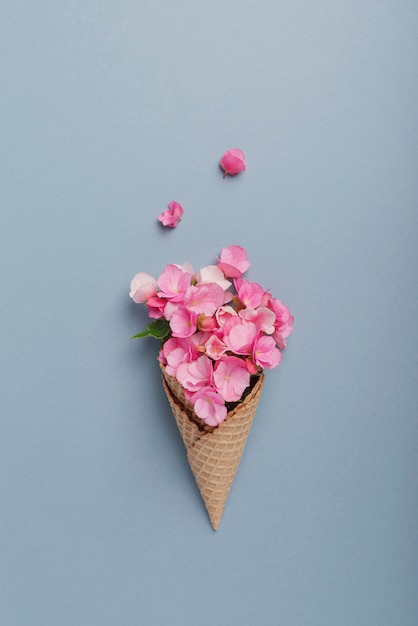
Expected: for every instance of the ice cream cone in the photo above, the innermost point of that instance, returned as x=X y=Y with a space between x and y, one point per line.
x=214 y=454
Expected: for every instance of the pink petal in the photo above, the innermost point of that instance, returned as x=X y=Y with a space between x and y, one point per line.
x=173 y=283
x=171 y=216
x=215 y=348
x=209 y=406
x=233 y=261
x=183 y=323
x=233 y=162
x=231 y=378
x=204 y=298
x=250 y=294
x=213 y=274
x=265 y=353
x=196 y=374
x=173 y=353
x=239 y=335
x=143 y=286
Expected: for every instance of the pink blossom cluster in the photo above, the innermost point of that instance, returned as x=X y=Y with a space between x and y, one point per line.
x=221 y=332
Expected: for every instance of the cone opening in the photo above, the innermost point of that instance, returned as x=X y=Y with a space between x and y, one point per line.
x=177 y=395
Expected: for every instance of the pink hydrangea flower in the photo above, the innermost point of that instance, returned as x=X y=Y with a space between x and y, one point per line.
x=173 y=283
x=233 y=162
x=215 y=347
x=199 y=339
x=183 y=323
x=172 y=215
x=143 y=286
x=174 y=352
x=231 y=378
x=265 y=352
x=239 y=335
x=284 y=322
x=209 y=405
x=233 y=261
x=156 y=307
x=224 y=313
x=250 y=294
x=196 y=374
x=281 y=334
x=262 y=316
x=281 y=311
x=204 y=298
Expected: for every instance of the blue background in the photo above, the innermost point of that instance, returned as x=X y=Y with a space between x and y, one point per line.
x=109 y=111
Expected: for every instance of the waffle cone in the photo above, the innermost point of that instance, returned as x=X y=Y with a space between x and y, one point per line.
x=214 y=453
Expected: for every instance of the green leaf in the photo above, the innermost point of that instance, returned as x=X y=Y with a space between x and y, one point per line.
x=158 y=329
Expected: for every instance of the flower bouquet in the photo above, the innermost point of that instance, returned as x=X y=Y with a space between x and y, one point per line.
x=218 y=334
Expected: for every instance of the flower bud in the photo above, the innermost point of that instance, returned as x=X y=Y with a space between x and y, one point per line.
x=233 y=162
x=206 y=324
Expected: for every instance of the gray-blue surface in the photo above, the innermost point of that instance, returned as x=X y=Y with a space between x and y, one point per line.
x=109 y=111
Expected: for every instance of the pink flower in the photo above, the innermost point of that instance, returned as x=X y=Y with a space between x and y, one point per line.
x=215 y=348
x=281 y=311
x=174 y=352
x=183 y=323
x=239 y=335
x=169 y=308
x=231 y=378
x=265 y=320
x=143 y=286
x=233 y=162
x=262 y=316
x=224 y=313
x=196 y=374
x=204 y=298
x=173 y=283
x=265 y=352
x=199 y=339
x=156 y=307
x=250 y=294
x=281 y=334
x=284 y=322
x=209 y=406
x=233 y=261
x=171 y=216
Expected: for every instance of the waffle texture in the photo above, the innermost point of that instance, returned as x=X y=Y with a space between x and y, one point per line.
x=214 y=454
